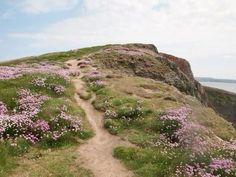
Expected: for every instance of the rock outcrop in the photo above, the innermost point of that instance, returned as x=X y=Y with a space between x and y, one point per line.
x=183 y=64
x=144 y=60
x=185 y=67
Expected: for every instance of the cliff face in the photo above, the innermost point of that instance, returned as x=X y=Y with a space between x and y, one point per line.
x=145 y=61
x=185 y=67
x=183 y=64
x=223 y=102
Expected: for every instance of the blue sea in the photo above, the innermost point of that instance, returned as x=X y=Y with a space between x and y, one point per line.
x=231 y=87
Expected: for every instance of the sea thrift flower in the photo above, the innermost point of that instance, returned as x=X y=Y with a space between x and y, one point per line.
x=174 y=120
x=179 y=114
x=14 y=125
x=57 y=134
x=74 y=123
x=39 y=81
x=32 y=138
x=62 y=124
x=41 y=125
x=3 y=108
x=9 y=72
x=216 y=168
x=179 y=129
x=2 y=125
x=189 y=170
x=59 y=89
x=29 y=103
x=190 y=136
x=110 y=114
x=22 y=125
x=99 y=83
x=222 y=164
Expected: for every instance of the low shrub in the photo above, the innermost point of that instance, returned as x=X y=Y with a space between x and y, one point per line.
x=171 y=122
x=112 y=126
x=85 y=95
x=127 y=113
x=166 y=127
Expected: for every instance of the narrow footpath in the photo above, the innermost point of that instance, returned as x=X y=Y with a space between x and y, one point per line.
x=96 y=153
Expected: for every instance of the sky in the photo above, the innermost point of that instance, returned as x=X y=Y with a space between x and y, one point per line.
x=201 y=31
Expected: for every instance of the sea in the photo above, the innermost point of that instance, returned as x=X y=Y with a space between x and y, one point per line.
x=231 y=87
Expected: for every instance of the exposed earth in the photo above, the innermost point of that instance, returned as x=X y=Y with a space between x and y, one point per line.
x=97 y=153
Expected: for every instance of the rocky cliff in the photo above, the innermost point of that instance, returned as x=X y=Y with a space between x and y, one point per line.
x=183 y=64
x=145 y=61
x=223 y=102
x=185 y=68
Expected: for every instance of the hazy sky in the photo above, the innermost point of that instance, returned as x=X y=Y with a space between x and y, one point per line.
x=202 y=31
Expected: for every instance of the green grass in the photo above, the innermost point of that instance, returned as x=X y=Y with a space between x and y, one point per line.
x=148 y=162
x=6 y=161
x=158 y=161
x=108 y=98
x=10 y=153
x=56 y=163
x=9 y=88
x=126 y=108
x=9 y=150
x=56 y=57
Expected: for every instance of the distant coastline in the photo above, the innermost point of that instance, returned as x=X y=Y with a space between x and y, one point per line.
x=209 y=79
x=224 y=84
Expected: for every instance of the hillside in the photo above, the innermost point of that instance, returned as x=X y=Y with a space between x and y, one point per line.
x=223 y=102
x=114 y=110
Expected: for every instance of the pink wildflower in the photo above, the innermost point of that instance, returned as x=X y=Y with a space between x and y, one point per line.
x=59 y=89
x=3 y=108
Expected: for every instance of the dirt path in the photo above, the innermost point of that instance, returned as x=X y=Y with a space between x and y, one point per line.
x=96 y=154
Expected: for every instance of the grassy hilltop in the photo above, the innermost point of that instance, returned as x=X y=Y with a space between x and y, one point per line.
x=146 y=99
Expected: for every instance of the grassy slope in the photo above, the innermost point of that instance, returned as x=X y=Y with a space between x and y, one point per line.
x=8 y=89
x=58 y=162
x=61 y=162
x=223 y=102
x=121 y=91
x=56 y=57
x=124 y=90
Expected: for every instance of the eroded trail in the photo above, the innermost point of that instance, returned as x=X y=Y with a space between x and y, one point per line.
x=96 y=154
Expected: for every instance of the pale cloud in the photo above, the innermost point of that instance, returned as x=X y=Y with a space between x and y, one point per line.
x=197 y=30
x=45 y=6
x=6 y=15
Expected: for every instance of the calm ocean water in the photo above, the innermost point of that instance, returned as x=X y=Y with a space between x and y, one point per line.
x=225 y=86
